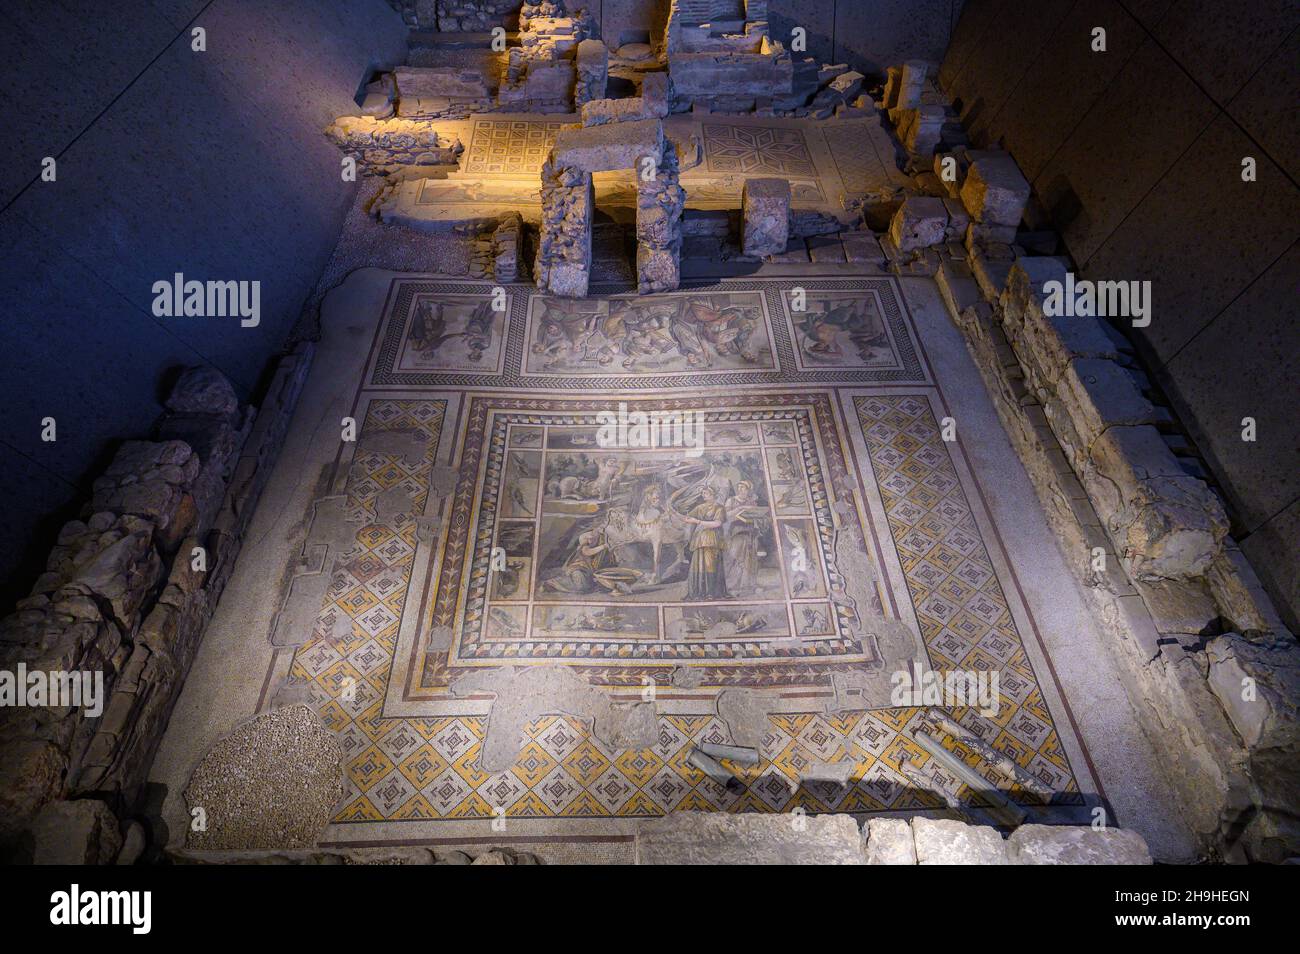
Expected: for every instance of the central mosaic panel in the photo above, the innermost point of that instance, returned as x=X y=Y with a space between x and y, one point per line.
x=630 y=559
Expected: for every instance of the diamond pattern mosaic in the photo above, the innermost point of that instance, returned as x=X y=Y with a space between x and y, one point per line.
x=426 y=767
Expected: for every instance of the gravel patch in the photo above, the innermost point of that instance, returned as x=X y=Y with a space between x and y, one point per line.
x=271 y=783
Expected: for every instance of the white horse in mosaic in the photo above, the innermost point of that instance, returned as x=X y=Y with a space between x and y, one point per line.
x=658 y=527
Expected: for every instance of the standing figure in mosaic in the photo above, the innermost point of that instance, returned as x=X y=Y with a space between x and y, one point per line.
x=742 y=528
x=707 y=579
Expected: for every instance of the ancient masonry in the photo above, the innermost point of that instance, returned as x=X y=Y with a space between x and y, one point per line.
x=1194 y=632
x=563 y=264
x=128 y=590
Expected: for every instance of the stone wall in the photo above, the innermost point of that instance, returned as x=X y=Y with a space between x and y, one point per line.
x=1150 y=541
x=1136 y=154
x=382 y=146
x=717 y=838
x=127 y=592
x=1142 y=529
x=458 y=16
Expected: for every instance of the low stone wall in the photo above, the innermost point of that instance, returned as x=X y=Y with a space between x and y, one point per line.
x=1220 y=709
x=720 y=838
x=1213 y=673
x=382 y=146
x=458 y=16
x=127 y=593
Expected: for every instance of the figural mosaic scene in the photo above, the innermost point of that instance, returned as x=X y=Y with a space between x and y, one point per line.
x=650 y=432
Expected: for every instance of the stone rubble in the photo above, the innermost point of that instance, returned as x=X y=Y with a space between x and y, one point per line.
x=721 y=838
x=122 y=594
x=382 y=146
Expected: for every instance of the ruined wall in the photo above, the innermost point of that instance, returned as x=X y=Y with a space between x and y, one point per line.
x=867 y=34
x=1136 y=154
x=211 y=164
x=126 y=594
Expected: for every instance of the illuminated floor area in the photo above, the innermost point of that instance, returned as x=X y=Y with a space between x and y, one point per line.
x=542 y=695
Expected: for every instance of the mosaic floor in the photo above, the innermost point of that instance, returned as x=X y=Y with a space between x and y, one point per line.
x=814 y=534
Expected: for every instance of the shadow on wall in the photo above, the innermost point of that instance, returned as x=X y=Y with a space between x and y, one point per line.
x=1136 y=152
x=209 y=162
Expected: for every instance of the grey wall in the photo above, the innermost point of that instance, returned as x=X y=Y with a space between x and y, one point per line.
x=212 y=164
x=869 y=35
x=1137 y=153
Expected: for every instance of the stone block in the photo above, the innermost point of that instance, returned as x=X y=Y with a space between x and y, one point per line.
x=1257 y=680
x=203 y=390
x=889 y=842
x=848 y=85
x=959 y=290
x=608 y=147
x=550 y=82
x=446 y=82
x=599 y=112
x=990 y=234
x=1025 y=287
x=1076 y=845
x=825 y=248
x=1100 y=394
x=721 y=838
x=1165 y=524
x=919 y=223
x=991 y=274
x=921 y=130
x=765 y=211
x=945 y=841
x=862 y=247
x=731 y=74
x=83 y=832
x=657 y=269
x=911 y=83
x=655 y=91
x=592 y=60
x=994 y=191
x=958 y=219
x=716 y=223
